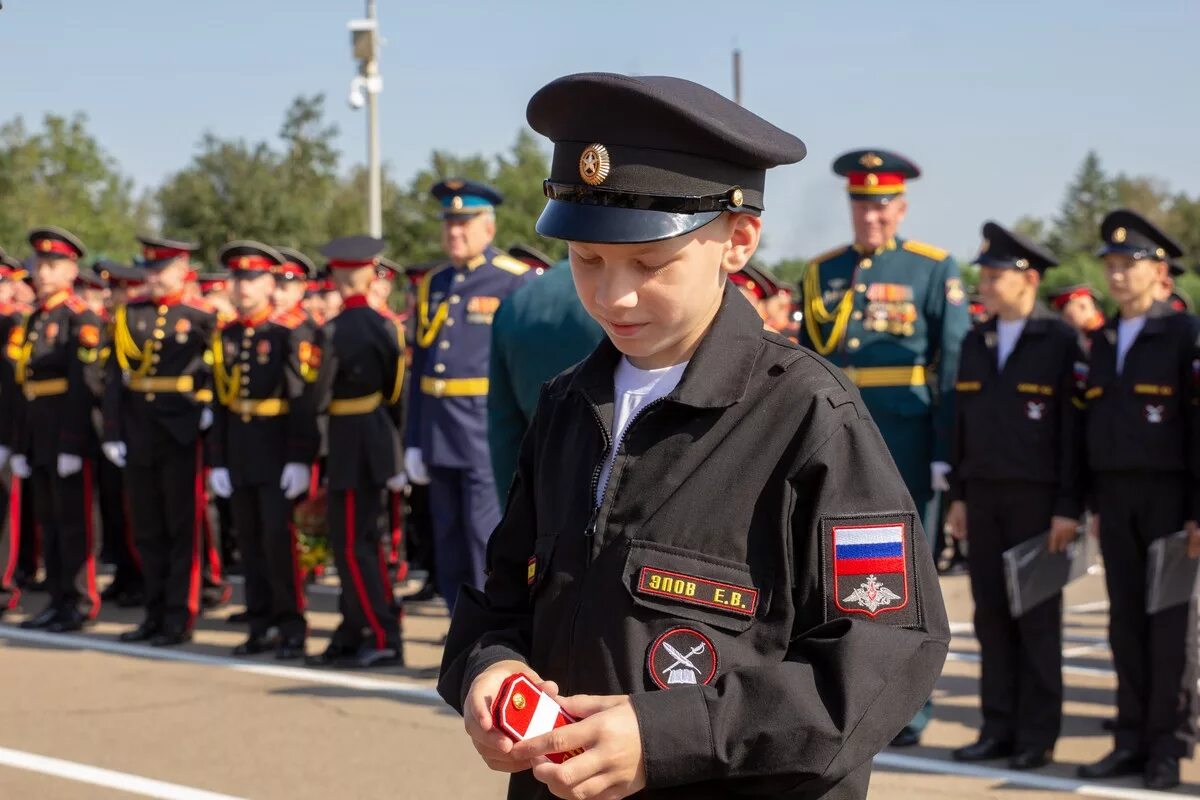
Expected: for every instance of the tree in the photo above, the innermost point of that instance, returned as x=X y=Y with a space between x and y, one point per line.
x=61 y=176
x=1088 y=198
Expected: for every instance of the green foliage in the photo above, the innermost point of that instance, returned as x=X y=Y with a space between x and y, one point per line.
x=60 y=175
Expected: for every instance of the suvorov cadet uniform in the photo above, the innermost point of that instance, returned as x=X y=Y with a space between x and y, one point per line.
x=361 y=382
x=1017 y=461
x=755 y=575
x=893 y=320
x=57 y=376
x=265 y=419
x=1143 y=452
x=157 y=389
x=447 y=415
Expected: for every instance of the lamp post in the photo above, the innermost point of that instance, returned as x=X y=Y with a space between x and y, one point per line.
x=364 y=90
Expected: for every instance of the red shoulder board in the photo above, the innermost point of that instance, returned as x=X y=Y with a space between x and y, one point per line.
x=76 y=304
x=200 y=304
x=290 y=319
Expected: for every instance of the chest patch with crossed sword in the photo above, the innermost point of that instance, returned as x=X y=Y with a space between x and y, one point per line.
x=681 y=657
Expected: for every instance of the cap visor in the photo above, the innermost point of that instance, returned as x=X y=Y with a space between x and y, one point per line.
x=578 y=222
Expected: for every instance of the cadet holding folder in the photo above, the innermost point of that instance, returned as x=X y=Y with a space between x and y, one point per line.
x=1016 y=474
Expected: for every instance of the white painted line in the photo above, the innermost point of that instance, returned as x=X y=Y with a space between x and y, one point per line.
x=1085 y=608
x=300 y=674
x=1068 y=669
x=111 y=779
x=967 y=630
x=1031 y=780
x=1083 y=650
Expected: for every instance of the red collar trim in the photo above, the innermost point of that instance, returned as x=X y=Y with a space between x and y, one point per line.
x=356 y=301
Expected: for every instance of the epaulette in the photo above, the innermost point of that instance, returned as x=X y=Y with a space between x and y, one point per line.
x=200 y=304
x=76 y=303
x=829 y=254
x=510 y=264
x=290 y=319
x=928 y=250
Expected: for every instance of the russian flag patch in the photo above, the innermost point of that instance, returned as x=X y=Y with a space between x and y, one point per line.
x=869 y=567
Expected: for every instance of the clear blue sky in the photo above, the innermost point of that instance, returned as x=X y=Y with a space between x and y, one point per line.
x=997 y=101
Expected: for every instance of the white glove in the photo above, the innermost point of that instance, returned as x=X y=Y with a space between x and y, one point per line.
x=68 y=465
x=20 y=466
x=414 y=465
x=398 y=482
x=294 y=481
x=206 y=418
x=5 y=453
x=219 y=482
x=938 y=476
x=114 y=452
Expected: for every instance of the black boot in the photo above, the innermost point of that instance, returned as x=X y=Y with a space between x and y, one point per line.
x=985 y=749
x=1162 y=773
x=142 y=633
x=41 y=621
x=1117 y=763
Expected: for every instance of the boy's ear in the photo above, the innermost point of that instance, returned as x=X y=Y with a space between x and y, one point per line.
x=745 y=231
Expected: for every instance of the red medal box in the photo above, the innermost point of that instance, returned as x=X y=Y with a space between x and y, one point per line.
x=523 y=712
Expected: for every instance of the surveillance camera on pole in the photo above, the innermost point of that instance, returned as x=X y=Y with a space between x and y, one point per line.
x=364 y=90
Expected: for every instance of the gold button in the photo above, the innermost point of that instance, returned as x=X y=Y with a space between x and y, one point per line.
x=159 y=322
x=857 y=315
x=162 y=309
x=150 y=396
x=439 y=368
x=154 y=359
x=450 y=323
x=518 y=701
x=455 y=299
x=159 y=333
x=854 y=343
x=33 y=336
x=249 y=332
x=444 y=345
x=860 y=288
x=459 y=278
x=865 y=263
x=245 y=417
x=245 y=356
x=439 y=387
x=245 y=380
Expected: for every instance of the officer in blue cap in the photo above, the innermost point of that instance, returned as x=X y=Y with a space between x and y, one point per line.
x=446 y=432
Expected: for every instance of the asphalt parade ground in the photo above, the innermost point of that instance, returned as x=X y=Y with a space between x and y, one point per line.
x=83 y=716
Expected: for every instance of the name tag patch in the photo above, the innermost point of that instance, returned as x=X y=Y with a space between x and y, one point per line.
x=697 y=591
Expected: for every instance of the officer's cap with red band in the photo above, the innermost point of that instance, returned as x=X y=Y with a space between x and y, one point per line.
x=159 y=251
x=1061 y=297
x=353 y=252
x=56 y=242
x=295 y=267
x=875 y=174
x=245 y=258
x=10 y=268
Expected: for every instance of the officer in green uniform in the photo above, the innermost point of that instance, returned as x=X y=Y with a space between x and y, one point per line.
x=892 y=313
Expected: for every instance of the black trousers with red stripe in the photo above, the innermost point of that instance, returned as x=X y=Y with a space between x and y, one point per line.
x=368 y=607
x=166 y=527
x=270 y=563
x=64 y=511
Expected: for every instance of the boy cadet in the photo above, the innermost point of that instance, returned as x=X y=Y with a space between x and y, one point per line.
x=1143 y=451
x=262 y=445
x=56 y=374
x=156 y=404
x=732 y=588
x=1017 y=461
x=361 y=382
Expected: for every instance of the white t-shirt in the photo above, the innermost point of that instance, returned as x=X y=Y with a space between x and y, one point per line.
x=633 y=390
x=1127 y=333
x=1008 y=331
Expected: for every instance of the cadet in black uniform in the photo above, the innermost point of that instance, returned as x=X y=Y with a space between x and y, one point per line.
x=156 y=403
x=737 y=577
x=1017 y=473
x=261 y=447
x=1143 y=451
x=361 y=380
x=56 y=372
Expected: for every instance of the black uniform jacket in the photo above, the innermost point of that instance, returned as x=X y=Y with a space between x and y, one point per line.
x=57 y=368
x=163 y=344
x=1023 y=422
x=266 y=403
x=364 y=357
x=1147 y=418
x=792 y=661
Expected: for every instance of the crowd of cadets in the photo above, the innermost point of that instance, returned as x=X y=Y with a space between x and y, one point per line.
x=274 y=380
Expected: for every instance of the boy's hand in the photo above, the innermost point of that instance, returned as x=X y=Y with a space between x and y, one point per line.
x=611 y=765
x=492 y=744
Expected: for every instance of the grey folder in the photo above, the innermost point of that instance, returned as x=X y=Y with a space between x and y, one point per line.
x=1033 y=574
x=1170 y=574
